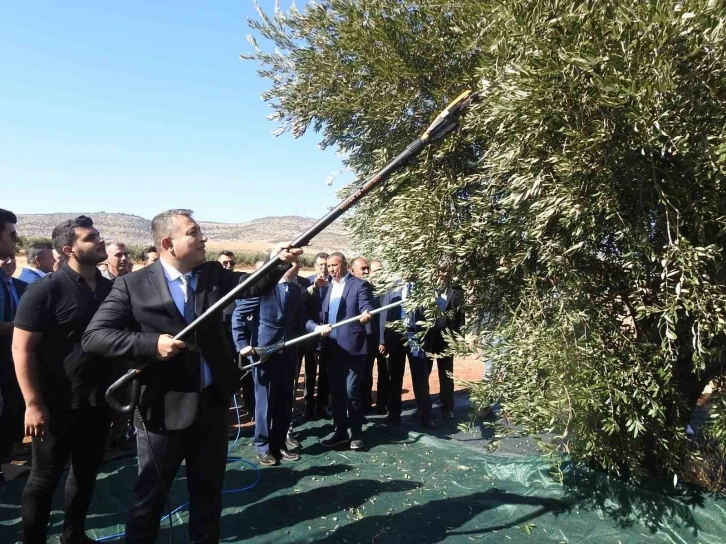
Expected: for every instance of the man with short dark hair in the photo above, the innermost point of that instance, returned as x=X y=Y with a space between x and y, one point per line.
x=66 y=413
x=315 y=362
x=11 y=416
x=8 y=234
x=117 y=260
x=40 y=262
x=452 y=318
x=187 y=387
x=150 y=255
x=226 y=259
x=8 y=240
x=58 y=260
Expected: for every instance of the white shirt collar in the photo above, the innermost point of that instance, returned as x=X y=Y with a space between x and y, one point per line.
x=171 y=273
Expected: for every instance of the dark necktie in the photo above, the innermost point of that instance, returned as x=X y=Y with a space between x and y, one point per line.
x=189 y=313
x=205 y=376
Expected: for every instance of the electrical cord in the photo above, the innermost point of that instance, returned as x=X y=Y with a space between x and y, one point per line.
x=226 y=491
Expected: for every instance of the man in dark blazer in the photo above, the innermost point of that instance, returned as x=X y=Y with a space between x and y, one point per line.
x=397 y=347
x=345 y=348
x=185 y=396
x=449 y=301
x=280 y=317
x=316 y=365
x=13 y=412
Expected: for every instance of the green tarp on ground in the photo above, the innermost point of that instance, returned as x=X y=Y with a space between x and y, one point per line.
x=409 y=487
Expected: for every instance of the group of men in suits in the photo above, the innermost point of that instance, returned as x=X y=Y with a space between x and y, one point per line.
x=70 y=325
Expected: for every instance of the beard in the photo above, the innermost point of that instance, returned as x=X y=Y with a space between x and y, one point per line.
x=91 y=258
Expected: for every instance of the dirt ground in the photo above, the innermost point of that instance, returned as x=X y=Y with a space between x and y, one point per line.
x=465 y=368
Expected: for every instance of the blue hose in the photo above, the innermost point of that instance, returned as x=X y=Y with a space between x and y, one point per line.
x=226 y=491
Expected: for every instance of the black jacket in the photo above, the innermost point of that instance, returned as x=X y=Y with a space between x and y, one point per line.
x=140 y=308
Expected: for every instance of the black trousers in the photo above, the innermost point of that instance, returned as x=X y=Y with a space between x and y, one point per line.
x=274 y=383
x=420 y=370
x=368 y=374
x=12 y=414
x=396 y=365
x=78 y=434
x=203 y=445
x=345 y=375
x=444 y=365
x=383 y=381
x=316 y=365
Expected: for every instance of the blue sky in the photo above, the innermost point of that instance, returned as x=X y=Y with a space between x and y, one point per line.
x=137 y=107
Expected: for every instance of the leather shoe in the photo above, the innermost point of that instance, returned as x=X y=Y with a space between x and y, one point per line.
x=335 y=439
x=291 y=442
x=448 y=414
x=356 y=442
x=390 y=418
x=287 y=455
x=267 y=459
x=428 y=424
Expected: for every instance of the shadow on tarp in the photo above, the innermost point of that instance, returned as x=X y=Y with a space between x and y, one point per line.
x=654 y=504
x=409 y=487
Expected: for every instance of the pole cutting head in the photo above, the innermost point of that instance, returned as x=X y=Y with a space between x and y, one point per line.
x=448 y=119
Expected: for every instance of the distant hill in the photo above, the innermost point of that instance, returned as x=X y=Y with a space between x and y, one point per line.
x=136 y=230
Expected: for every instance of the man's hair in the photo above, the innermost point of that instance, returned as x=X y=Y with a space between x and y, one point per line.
x=147 y=250
x=35 y=250
x=226 y=253
x=115 y=243
x=162 y=225
x=357 y=259
x=65 y=233
x=321 y=255
x=339 y=255
x=6 y=216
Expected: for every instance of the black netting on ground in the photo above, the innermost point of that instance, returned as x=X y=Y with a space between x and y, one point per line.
x=410 y=487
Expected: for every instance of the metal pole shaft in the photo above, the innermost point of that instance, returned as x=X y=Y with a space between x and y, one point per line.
x=269 y=350
x=340 y=324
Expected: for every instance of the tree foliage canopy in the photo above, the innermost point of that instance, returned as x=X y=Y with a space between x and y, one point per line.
x=581 y=204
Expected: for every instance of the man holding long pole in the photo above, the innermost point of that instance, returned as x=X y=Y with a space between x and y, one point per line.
x=346 y=349
x=188 y=383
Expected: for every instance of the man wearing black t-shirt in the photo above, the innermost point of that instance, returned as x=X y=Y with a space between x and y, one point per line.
x=66 y=414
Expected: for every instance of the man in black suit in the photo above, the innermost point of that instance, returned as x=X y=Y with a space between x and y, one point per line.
x=316 y=363
x=11 y=416
x=450 y=304
x=397 y=347
x=186 y=391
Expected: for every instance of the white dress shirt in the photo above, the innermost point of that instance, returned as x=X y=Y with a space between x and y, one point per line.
x=336 y=293
x=178 y=291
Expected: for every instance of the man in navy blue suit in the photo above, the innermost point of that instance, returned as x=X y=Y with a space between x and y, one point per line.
x=280 y=317
x=40 y=263
x=345 y=348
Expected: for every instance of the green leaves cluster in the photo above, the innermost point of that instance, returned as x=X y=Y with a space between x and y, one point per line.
x=581 y=204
